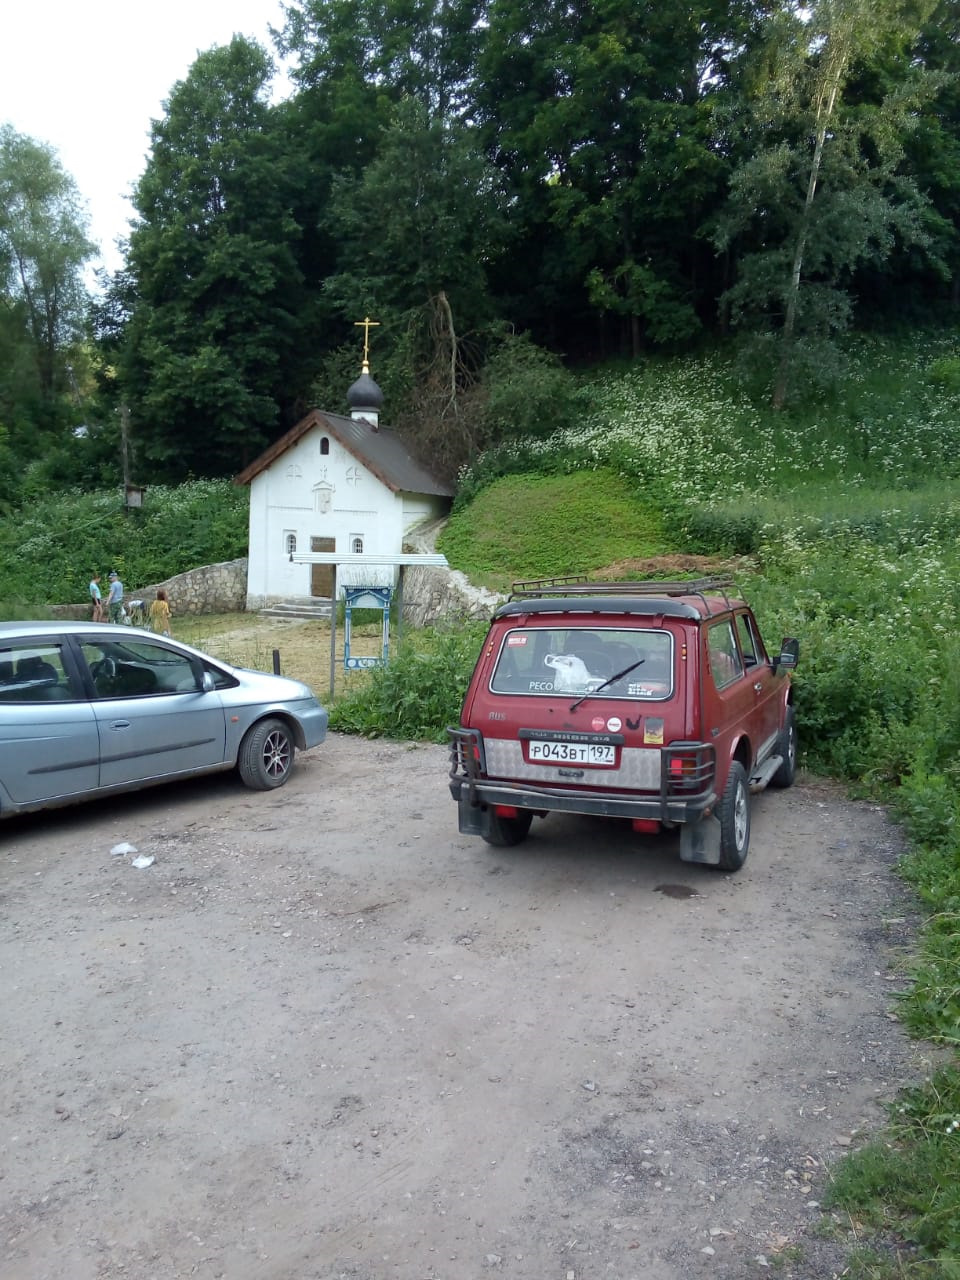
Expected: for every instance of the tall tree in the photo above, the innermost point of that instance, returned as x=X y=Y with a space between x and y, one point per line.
x=418 y=231
x=214 y=360
x=599 y=114
x=821 y=191
x=43 y=248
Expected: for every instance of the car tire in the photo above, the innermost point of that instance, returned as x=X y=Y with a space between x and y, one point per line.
x=503 y=833
x=787 y=747
x=266 y=755
x=734 y=815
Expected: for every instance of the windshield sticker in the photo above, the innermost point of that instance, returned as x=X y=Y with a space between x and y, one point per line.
x=515 y=641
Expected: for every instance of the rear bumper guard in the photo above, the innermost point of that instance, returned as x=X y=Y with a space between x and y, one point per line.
x=687 y=794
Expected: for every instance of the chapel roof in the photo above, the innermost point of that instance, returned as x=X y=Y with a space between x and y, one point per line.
x=380 y=450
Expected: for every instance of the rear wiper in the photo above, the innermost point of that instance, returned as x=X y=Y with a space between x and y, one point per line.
x=612 y=680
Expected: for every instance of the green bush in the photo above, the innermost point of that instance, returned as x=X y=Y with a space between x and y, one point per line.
x=945 y=372
x=419 y=692
x=49 y=549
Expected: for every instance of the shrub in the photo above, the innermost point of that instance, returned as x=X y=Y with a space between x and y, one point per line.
x=419 y=692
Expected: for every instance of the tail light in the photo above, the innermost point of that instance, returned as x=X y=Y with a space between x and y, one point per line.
x=466 y=751
x=688 y=769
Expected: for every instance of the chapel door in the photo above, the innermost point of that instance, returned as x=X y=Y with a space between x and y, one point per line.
x=321 y=575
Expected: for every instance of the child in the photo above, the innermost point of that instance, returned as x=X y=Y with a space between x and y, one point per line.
x=160 y=614
x=97 y=598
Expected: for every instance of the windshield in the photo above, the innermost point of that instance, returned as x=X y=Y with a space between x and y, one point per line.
x=573 y=660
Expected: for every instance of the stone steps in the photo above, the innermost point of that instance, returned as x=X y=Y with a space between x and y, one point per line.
x=319 y=611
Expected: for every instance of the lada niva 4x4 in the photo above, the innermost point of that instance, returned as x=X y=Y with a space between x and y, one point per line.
x=654 y=702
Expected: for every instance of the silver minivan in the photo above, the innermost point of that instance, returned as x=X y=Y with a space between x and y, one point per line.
x=87 y=709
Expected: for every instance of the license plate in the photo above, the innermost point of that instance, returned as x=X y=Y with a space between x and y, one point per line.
x=589 y=753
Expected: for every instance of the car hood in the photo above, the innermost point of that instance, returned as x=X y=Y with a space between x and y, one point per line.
x=270 y=686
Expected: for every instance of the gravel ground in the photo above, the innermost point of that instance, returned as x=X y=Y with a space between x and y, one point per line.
x=325 y=1036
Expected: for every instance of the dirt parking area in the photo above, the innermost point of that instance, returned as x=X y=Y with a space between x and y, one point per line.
x=325 y=1036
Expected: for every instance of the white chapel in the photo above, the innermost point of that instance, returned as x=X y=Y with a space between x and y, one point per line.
x=334 y=484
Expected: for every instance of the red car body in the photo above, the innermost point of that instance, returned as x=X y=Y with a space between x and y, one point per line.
x=655 y=702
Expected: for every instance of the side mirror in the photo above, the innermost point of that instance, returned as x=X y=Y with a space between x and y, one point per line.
x=208 y=684
x=789 y=654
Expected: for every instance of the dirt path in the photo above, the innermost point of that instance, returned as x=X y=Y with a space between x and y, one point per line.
x=326 y=1036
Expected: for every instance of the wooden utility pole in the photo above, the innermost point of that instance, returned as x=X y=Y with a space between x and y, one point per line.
x=125 y=445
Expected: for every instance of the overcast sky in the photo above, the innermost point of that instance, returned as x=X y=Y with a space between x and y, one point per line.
x=88 y=76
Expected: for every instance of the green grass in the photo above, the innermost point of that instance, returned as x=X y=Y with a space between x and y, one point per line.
x=525 y=526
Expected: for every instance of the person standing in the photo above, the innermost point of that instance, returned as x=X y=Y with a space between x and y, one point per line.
x=96 y=597
x=160 y=613
x=115 y=597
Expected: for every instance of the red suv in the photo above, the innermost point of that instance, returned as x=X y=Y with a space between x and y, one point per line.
x=652 y=701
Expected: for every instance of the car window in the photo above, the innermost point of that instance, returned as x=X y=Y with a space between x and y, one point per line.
x=725 y=661
x=137 y=668
x=221 y=679
x=749 y=642
x=573 y=660
x=33 y=672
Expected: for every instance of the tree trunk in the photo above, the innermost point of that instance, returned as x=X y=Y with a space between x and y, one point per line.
x=826 y=101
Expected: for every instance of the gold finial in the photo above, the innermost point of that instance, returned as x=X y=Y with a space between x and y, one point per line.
x=367 y=324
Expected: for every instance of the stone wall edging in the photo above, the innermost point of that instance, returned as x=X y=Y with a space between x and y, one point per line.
x=212 y=588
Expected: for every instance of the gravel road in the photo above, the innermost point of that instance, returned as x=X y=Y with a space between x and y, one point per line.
x=325 y=1036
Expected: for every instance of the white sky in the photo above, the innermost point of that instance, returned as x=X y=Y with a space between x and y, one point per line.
x=87 y=77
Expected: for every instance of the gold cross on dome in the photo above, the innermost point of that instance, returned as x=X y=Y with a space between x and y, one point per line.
x=367 y=324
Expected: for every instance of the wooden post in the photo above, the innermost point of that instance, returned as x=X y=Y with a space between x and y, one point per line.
x=125 y=445
x=400 y=604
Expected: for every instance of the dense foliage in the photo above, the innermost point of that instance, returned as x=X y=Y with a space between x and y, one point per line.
x=49 y=550
x=43 y=247
x=607 y=179
x=419 y=693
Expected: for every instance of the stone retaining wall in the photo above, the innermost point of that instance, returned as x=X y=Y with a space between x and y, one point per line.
x=213 y=588
x=429 y=594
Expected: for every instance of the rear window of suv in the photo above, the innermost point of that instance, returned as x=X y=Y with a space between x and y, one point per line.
x=548 y=661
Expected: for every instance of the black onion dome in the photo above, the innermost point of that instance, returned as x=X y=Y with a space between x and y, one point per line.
x=364 y=393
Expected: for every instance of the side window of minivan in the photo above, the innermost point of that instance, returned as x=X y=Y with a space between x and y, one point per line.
x=33 y=672
x=725 y=662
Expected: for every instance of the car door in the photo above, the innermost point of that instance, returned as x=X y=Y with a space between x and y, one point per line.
x=767 y=688
x=49 y=743
x=154 y=718
x=733 y=706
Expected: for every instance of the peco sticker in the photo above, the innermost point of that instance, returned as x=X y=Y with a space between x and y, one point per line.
x=614 y=724
x=597 y=724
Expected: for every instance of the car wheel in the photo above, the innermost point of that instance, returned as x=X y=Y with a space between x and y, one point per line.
x=787 y=747
x=266 y=755
x=734 y=815
x=504 y=832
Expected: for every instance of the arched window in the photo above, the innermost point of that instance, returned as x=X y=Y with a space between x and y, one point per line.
x=290 y=543
x=356 y=546
x=324 y=444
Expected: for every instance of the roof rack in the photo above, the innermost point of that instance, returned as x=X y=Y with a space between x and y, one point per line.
x=577 y=585
x=546 y=586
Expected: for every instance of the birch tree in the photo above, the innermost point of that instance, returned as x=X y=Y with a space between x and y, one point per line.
x=822 y=192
